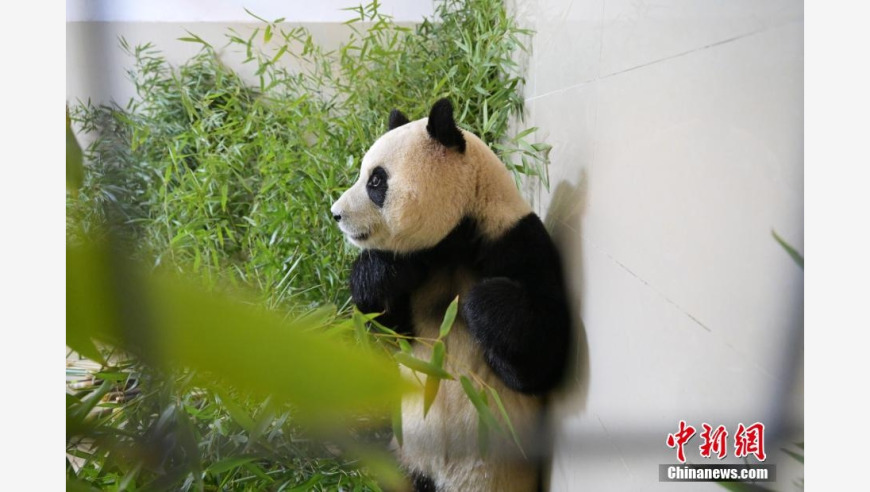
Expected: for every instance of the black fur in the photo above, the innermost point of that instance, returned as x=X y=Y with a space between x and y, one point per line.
x=376 y=187
x=517 y=311
x=422 y=483
x=381 y=282
x=397 y=119
x=442 y=127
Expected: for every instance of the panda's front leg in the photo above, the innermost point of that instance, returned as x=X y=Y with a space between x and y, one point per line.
x=381 y=282
x=524 y=335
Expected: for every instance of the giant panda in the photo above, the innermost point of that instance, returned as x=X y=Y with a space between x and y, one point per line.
x=436 y=215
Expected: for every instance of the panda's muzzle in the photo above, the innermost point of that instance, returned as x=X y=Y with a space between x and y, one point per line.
x=353 y=222
x=362 y=236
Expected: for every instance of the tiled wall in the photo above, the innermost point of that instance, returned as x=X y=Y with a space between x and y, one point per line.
x=677 y=133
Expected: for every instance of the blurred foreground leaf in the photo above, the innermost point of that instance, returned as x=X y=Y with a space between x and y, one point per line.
x=74 y=171
x=175 y=323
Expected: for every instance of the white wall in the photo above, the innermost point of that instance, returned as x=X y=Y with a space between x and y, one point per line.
x=96 y=66
x=234 y=10
x=677 y=128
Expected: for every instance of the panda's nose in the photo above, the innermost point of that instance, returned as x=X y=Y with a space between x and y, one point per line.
x=337 y=208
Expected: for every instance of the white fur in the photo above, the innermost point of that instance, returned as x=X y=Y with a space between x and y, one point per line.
x=430 y=189
x=444 y=444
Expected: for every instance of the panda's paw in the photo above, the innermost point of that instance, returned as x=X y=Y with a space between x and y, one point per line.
x=492 y=309
x=378 y=278
x=370 y=281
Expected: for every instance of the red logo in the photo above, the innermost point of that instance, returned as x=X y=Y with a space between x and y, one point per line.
x=679 y=439
x=750 y=440
x=747 y=440
x=714 y=441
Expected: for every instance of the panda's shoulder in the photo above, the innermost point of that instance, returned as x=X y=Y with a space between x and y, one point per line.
x=526 y=246
x=528 y=232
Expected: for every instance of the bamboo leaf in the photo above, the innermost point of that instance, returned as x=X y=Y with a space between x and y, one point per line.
x=317 y=317
x=193 y=38
x=438 y=350
x=797 y=257
x=799 y=457
x=256 y=470
x=525 y=133
x=396 y=415
x=418 y=365
x=506 y=418
x=278 y=55
x=75 y=485
x=362 y=334
x=80 y=411
x=483 y=435
x=449 y=318
x=430 y=390
x=405 y=346
x=256 y=17
x=478 y=402
x=228 y=464
x=309 y=484
x=382 y=328
x=237 y=413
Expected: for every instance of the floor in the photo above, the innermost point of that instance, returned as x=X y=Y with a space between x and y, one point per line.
x=677 y=133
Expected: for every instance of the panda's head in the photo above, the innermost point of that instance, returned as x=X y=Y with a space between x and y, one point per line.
x=415 y=185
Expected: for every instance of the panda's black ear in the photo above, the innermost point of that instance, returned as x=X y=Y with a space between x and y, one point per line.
x=397 y=119
x=443 y=128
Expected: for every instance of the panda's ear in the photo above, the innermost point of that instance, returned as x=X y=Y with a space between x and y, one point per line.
x=397 y=119
x=443 y=128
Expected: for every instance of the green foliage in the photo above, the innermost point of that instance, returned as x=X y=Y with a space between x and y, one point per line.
x=74 y=171
x=194 y=389
x=141 y=429
x=797 y=257
x=798 y=455
x=209 y=176
x=169 y=321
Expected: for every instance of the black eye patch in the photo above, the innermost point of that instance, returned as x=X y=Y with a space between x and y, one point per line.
x=377 y=186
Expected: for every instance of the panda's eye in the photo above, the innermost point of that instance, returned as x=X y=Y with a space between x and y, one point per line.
x=377 y=186
x=378 y=178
